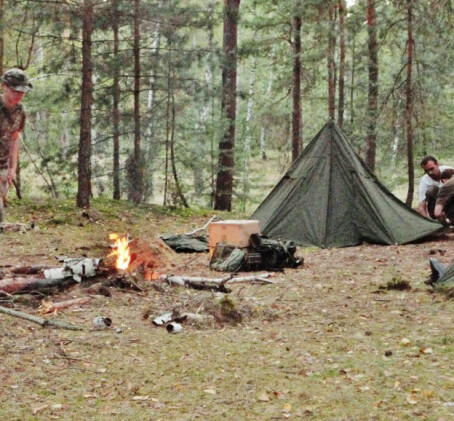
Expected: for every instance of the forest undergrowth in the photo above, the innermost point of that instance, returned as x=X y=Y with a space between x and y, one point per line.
x=331 y=340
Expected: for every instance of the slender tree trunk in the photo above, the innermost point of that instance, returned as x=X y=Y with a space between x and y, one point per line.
x=2 y=25
x=341 y=98
x=167 y=139
x=352 y=82
x=152 y=145
x=409 y=104
x=179 y=191
x=224 y=181
x=297 y=120
x=373 y=86
x=247 y=137
x=137 y=193
x=84 y=170
x=331 y=62
x=268 y=95
x=116 y=105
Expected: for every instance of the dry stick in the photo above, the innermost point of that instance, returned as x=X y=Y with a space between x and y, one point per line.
x=38 y=320
x=204 y=227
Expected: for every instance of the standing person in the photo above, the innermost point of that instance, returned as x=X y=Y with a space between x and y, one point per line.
x=15 y=84
x=444 y=206
x=429 y=185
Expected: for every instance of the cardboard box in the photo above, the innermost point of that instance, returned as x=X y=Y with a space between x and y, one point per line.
x=235 y=232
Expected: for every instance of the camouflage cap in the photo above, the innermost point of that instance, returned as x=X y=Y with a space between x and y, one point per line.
x=17 y=79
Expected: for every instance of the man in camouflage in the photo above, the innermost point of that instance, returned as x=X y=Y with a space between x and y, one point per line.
x=15 y=85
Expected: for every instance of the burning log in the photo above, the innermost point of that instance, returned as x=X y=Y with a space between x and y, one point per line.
x=38 y=320
x=214 y=284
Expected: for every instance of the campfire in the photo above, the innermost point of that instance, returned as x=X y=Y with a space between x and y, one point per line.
x=120 y=251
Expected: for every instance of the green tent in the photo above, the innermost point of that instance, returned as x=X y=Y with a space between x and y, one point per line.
x=330 y=198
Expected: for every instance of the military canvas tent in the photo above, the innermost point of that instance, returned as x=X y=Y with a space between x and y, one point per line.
x=330 y=198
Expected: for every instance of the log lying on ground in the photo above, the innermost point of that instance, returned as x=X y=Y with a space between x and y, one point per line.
x=29 y=270
x=50 y=307
x=215 y=284
x=26 y=285
x=39 y=320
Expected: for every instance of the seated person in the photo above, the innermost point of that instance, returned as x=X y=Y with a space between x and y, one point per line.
x=444 y=206
x=429 y=185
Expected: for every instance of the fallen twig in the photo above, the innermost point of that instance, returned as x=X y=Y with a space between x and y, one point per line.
x=39 y=320
x=213 y=218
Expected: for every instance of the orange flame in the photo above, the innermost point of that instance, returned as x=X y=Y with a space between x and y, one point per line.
x=121 y=251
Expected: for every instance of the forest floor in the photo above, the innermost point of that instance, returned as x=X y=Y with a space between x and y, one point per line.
x=331 y=340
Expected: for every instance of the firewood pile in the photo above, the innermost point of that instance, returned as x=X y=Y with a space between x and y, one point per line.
x=149 y=263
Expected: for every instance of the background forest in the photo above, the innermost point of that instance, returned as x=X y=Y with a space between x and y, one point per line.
x=133 y=99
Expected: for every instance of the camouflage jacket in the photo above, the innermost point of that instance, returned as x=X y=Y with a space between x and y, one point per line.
x=11 y=121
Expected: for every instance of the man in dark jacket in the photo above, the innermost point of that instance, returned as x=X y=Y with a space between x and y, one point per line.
x=444 y=206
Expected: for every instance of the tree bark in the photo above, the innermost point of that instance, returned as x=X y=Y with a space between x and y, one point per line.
x=297 y=122
x=341 y=95
x=373 y=86
x=331 y=63
x=2 y=47
x=409 y=104
x=84 y=170
x=248 y=137
x=138 y=182
x=116 y=104
x=224 y=180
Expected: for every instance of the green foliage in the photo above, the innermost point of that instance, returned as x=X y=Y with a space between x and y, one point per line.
x=181 y=66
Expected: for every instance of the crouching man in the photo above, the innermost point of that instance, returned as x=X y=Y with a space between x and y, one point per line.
x=444 y=206
x=15 y=84
x=429 y=185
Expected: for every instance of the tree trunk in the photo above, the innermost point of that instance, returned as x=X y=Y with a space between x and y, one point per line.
x=373 y=86
x=341 y=98
x=331 y=63
x=224 y=181
x=167 y=139
x=247 y=136
x=409 y=104
x=84 y=170
x=138 y=182
x=297 y=122
x=268 y=95
x=179 y=191
x=2 y=24
x=116 y=104
x=352 y=83
x=152 y=144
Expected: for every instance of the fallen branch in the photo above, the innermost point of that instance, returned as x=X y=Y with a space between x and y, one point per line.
x=39 y=320
x=50 y=307
x=24 y=285
x=216 y=284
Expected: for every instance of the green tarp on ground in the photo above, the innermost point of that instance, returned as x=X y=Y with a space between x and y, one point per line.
x=447 y=279
x=330 y=198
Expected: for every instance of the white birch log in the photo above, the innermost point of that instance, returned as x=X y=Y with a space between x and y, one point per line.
x=214 y=283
